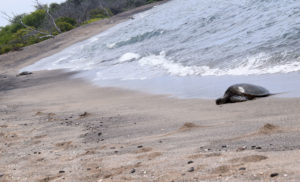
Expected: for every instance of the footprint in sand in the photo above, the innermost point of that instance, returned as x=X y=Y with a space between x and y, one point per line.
x=221 y=169
x=39 y=136
x=65 y=145
x=247 y=159
x=143 y=150
x=50 y=178
x=196 y=156
x=150 y=156
x=188 y=126
x=268 y=129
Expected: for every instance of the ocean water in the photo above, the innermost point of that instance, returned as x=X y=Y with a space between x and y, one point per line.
x=193 y=48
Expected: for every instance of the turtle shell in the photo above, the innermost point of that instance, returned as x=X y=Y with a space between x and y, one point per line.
x=247 y=89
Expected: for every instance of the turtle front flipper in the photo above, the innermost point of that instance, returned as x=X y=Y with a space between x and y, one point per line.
x=237 y=98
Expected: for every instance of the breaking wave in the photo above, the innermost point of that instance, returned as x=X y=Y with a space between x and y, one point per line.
x=192 y=38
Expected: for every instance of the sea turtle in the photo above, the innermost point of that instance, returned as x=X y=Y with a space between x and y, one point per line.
x=242 y=92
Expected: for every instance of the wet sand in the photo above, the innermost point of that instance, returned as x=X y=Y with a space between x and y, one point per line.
x=207 y=87
x=57 y=128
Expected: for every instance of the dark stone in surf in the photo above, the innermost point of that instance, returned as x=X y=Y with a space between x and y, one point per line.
x=24 y=73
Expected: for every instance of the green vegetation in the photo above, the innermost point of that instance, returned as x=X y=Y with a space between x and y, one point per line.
x=15 y=36
x=100 y=13
x=50 y=20
x=35 y=19
x=65 y=23
x=91 y=20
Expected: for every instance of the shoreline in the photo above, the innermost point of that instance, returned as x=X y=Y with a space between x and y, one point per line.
x=205 y=87
x=54 y=127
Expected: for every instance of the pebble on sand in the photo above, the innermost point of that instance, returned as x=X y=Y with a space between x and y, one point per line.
x=132 y=170
x=191 y=169
x=274 y=175
x=190 y=162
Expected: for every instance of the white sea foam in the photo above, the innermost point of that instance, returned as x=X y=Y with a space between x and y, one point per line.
x=128 y=57
x=110 y=46
x=249 y=66
x=161 y=62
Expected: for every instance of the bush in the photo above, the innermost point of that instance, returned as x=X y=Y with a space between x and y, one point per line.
x=71 y=21
x=64 y=26
x=22 y=38
x=91 y=20
x=5 y=49
x=53 y=7
x=35 y=19
x=100 y=13
x=5 y=35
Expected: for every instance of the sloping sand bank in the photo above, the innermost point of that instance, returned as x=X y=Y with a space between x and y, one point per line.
x=54 y=128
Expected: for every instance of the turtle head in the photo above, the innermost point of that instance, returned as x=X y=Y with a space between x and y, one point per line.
x=222 y=100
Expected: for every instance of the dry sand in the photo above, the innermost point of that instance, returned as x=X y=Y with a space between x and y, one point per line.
x=54 y=128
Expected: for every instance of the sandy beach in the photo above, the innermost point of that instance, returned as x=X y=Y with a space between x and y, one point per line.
x=57 y=128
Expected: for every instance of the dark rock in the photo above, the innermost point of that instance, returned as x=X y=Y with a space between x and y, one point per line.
x=191 y=169
x=224 y=146
x=241 y=148
x=258 y=147
x=24 y=73
x=83 y=114
x=88 y=169
x=190 y=162
x=1 y=175
x=61 y=171
x=242 y=169
x=99 y=134
x=274 y=175
x=253 y=147
x=132 y=171
x=140 y=146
